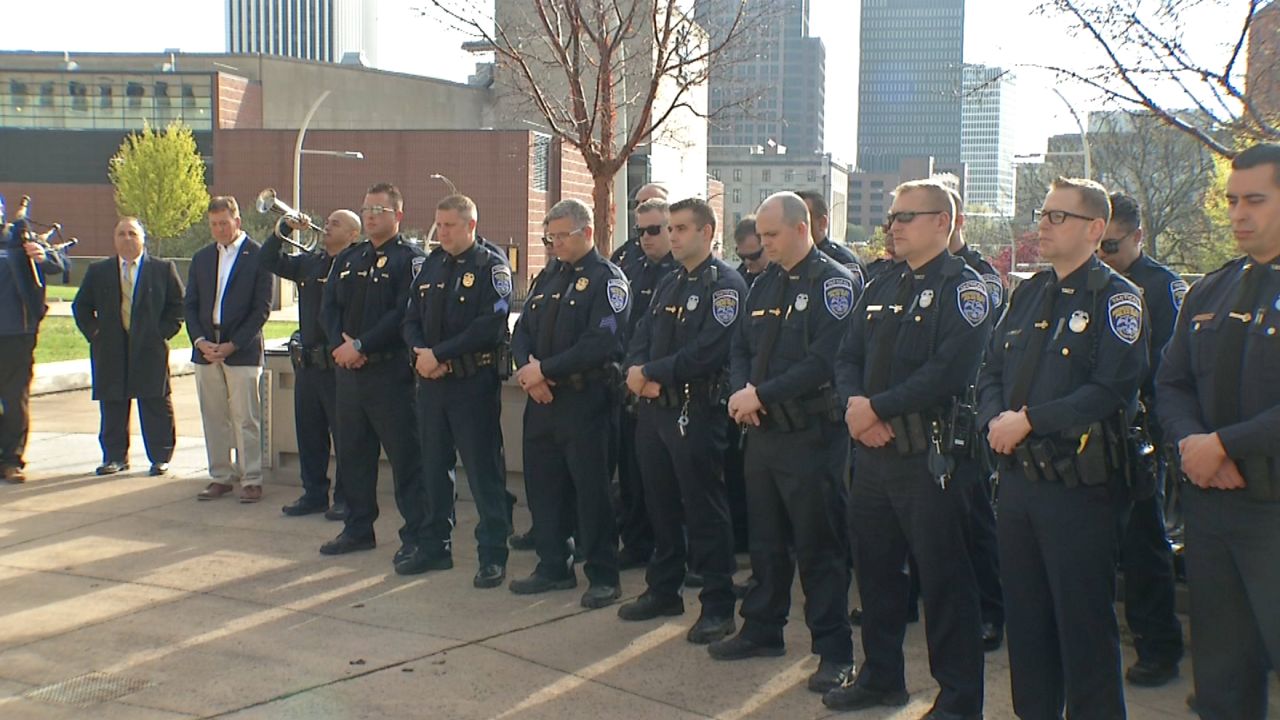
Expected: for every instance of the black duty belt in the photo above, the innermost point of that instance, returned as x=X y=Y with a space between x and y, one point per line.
x=316 y=358
x=1072 y=458
x=798 y=414
x=465 y=366
x=581 y=381
x=700 y=392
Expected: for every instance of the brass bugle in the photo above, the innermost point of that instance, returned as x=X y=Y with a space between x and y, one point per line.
x=268 y=202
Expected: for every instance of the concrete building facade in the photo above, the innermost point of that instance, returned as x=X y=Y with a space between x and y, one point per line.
x=987 y=138
x=752 y=173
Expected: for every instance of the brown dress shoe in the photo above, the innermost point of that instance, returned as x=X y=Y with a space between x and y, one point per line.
x=251 y=493
x=13 y=474
x=214 y=491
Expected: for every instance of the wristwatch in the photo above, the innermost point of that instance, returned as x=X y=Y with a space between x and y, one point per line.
x=359 y=346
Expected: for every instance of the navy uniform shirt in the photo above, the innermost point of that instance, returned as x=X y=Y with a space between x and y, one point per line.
x=995 y=287
x=849 y=260
x=943 y=314
x=686 y=332
x=1094 y=358
x=747 y=276
x=458 y=305
x=1186 y=387
x=310 y=271
x=367 y=293
x=1163 y=291
x=626 y=252
x=814 y=300
x=644 y=275
x=575 y=318
x=22 y=301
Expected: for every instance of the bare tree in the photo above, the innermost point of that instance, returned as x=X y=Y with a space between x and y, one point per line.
x=604 y=76
x=1147 y=63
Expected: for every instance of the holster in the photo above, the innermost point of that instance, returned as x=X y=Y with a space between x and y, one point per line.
x=797 y=414
x=464 y=366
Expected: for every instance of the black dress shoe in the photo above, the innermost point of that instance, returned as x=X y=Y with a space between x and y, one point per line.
x=535 y=584
x=405 y=551
x=422 y=561
x=112 y=468
x=830 y=675
x=303 y=506
x=856 y=697
x=630 y=558
x=649 y=606
x=523 y=541
x=693 y=580
x=598 y=596
x=339 y=511
x=489 y=575
x=992 y=637
x=936 y=714
x=158 y=469
x=1149 y=673
x=711 y=628
x=345 y=543
x=740 y=648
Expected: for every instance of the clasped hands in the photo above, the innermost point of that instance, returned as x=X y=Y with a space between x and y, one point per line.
x=427 y=365
x=346 y=355
x=865 y=425
x=1206 y=463
x=533 y=382
x=215 y=352
x=641 y=386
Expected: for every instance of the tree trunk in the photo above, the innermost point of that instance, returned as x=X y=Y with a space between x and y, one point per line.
x=602 y=195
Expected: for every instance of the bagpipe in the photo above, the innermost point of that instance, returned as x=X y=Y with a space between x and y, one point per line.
x=23 y=230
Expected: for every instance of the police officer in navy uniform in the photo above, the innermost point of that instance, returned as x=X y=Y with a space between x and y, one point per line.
x=567 y=346
x=643 y=271
x=456 y=326
x=973 y=460
x=677 y=362
x=782 y=375
x=363 y=307
x=905 y=365
x=1145 y=555
x=750 y=251
x=820 y=215
x=1058 y=387
x=631 y=250
x=314 y=412
x=1218 y=400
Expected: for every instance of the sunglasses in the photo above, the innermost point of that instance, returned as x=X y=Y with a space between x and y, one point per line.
x=908 y=216
x=375 y=210
x=648 y=230
x=1057 y=217
x=751 y=257
x=1112 y=246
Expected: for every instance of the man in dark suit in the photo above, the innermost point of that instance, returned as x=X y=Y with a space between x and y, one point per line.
x=128 y=307
x=228 y=301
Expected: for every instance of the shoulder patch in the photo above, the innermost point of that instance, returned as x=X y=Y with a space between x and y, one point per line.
x=417 y=264
x=973 y=301
x=837 y=295
x=724 y=306
x=1178 y=291
x=1124 y=313
x=856 y=270
x=501 y=279
x=995 y=289
x=619 y=293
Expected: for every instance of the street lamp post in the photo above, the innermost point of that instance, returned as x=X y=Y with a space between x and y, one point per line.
x=297 y=149
x=1084 y=136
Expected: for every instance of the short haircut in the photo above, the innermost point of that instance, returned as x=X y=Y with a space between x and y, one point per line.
x=702 y=212
x=225 y=203
x=746 y=227
x=940 y=196
x=133 y=219
x=794 y=211
x=571 y=208
x=1125 y=211
x=957 y=202
x=816 y=201
x=391 y=191
x=461 y=204
x=1260 y=154
x=1094 y=197
x=657 y=187
x=654 y=205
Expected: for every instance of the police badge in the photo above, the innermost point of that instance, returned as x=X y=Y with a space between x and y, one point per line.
x=837 y=295
x=1177 y=291
x=617 y=291
x=724 y=306
x=973 y=302
x=692 y=303
x=582 y=284
x=468 y=280
x=501 y=280
x=1124 y=314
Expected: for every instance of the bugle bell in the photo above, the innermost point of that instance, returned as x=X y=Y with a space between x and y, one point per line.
x=268 y=202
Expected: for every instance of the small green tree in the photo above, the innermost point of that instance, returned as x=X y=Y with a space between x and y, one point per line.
x=159 y=177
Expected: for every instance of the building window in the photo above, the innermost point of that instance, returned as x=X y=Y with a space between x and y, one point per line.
x=877 y=183
x=737 y=195
x=715 y=174
x=46 y=94
x=852 y=183
x=133 y=91
x=79 y=95
x=18 y=93
x=162 y=95
x=789 y=176
x=737 y=174
x=812 y=175
x=541 y=161
x=104 y=96
x=764 y=195
x=766 y=175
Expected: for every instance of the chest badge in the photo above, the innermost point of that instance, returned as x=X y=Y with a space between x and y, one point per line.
x=468 y=280
x=382 y=261
x=692 y=303
x=926 y=298
x=581 y=284
x=1079 y=321
x=802 y=302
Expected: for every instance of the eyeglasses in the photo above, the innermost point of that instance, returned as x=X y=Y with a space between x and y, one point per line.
x=751 y=257
x=1111 y=246
x=648 y=230
x=549 y=240
x=1057 y=217
x=907 y=216
x=375 y=210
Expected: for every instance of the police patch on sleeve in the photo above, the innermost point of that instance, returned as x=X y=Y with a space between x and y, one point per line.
x=618 y=293
x=502 y=280
x=724 y=306
x=1124 y=313
x=1177 y=291
x=973 y=301
x=995 y=289
x=856 y=270
x=837 y=295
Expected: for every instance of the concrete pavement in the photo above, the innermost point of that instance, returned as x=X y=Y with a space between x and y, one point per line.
x=123 y=597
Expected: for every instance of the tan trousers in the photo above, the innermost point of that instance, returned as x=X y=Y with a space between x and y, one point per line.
x=231 y=410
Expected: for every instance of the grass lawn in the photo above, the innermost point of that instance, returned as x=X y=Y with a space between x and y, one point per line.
x=60 y=340
x=61 y=292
